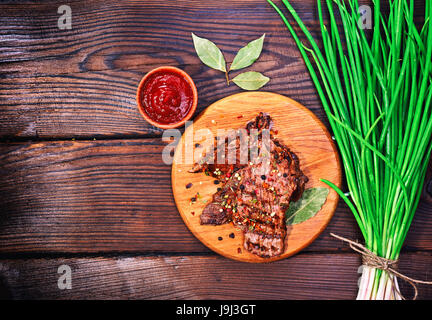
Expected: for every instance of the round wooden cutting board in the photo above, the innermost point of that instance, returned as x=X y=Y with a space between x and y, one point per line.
x=297 y=127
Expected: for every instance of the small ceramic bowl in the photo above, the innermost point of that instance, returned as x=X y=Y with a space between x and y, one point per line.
x=194 y=97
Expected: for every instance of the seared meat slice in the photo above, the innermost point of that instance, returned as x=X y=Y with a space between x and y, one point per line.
x=213 y=214
x=216 y=212
x=255 y=195
x=228 y=156
x=264 y=245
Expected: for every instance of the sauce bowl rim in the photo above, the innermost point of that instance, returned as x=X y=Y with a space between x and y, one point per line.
x=194 y=101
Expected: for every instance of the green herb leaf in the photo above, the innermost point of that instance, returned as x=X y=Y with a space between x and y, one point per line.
x=248 y=54
x=250 y=80
x=307 y=206
x=209 y=53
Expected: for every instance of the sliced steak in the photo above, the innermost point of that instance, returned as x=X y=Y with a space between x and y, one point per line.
x=213 y=213
x=255 y=195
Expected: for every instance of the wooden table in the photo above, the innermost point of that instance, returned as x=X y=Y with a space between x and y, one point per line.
x=82 y=181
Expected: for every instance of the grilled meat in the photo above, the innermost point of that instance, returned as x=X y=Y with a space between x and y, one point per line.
x=255 y=194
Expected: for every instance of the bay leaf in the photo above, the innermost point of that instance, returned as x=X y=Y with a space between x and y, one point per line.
x=307 y=206
x=248 y=54
x=209 y=53
x=250 y=80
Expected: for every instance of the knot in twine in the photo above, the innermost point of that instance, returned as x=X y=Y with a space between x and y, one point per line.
x=370 y=259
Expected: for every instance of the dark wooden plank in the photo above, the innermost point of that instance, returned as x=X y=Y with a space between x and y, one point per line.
x=145 y=32
x=305 y=276
x=82 y=82
x=102 y=103
x=115 y=196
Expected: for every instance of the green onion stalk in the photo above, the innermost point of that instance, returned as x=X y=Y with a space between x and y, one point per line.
x=376 y=89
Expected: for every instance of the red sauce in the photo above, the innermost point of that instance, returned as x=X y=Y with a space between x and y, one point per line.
x=167 y=97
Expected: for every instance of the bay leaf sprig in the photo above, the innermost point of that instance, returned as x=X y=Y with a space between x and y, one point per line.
x=209 y=53
x=307 y=206
x=247 y=55
x=212 y=57
x=250 y=80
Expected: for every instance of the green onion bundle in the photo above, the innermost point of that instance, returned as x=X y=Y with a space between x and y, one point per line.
x=376 y=90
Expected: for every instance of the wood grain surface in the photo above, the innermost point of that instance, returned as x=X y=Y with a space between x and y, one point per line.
x=304 y=276
x=81 y=176
x=298 y=128
x=115 y=195
x=81 y=82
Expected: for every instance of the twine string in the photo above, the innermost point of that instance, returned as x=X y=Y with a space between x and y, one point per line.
x=370 y=259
